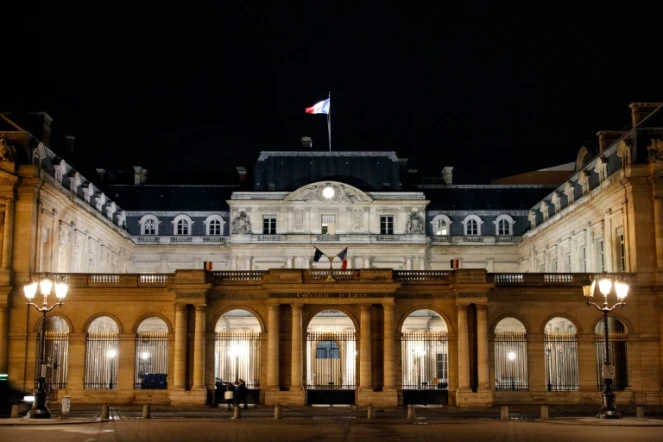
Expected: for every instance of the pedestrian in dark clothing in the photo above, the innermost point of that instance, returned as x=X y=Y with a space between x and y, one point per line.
x=241 y=393
x=229 y=395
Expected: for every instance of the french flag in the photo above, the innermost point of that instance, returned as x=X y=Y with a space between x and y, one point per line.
x=344 y=257
x=321 y=107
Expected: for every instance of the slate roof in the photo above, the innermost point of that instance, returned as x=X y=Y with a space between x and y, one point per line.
x=189 y=198
x=477 y=198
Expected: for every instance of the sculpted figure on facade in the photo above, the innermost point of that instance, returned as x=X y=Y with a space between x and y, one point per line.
x=241 y=223
x=7 y=150
x=415 y=224
x=655 y=150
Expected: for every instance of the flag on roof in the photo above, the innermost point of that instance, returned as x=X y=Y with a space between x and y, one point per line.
x=344 y=257
x=317 y=255
x=321 y=107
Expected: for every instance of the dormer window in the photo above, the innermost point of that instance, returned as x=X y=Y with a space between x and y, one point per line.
x=182 y=225
x=472 y=225
x=149 y=225
x=441 y=225
x=214 y=225
x=504 y=225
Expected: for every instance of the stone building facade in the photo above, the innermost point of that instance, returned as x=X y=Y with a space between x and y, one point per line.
x=335 y=276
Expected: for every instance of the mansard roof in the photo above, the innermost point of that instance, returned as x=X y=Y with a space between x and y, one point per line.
x=465 y=197
x=146 y=197
x=367 y=171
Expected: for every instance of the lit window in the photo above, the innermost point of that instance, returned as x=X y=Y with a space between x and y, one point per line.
x=621 y=249
x=329 y=223
x=269 y=224
x=441 y=227
x=387 y=225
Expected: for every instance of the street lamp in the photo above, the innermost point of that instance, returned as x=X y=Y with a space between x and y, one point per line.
x=111 y=357
x=606 y=283
x=512 y=357
x=548 y=354
x=39 y=409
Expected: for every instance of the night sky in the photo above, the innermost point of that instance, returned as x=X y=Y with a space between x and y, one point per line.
x=492 y=88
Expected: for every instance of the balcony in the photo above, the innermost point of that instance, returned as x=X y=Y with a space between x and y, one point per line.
x=179 y=239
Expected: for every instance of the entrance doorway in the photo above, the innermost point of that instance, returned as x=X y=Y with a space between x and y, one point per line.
x=331 y=359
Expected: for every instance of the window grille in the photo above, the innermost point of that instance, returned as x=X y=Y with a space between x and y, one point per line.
x=511 y=361
x=101 y=369
x=331 y=360
x=151 y=360
x=56 y=355
x=237 y=356
x=617 y=344
x=424 y=360
x=561 y=357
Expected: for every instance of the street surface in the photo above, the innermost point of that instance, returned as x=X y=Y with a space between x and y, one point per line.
x=324 y=430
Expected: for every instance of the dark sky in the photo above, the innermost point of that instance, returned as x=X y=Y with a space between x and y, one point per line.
x=492 y=88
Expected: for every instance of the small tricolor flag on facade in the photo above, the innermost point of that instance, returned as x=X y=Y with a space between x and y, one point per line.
x=455 y=263
x=343 y=256
x=207 y=265
x=318 y=254
x=321 y=107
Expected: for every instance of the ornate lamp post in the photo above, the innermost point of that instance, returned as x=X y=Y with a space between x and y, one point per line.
x=548 y=354
x=39 y=409
x=605 y=283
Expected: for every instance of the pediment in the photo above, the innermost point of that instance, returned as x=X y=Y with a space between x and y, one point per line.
x=342 y=193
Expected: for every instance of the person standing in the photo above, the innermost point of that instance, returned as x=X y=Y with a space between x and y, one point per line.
x=241 y=393
x=229 y=395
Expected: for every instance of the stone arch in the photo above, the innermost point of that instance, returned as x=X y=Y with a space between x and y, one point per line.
x=36 y=328
x=598 y=324
x=566 y=316
x=517 y=317
x=261 y=321
x=409 y=311
x=91 y=321
x=306 y=321
x=142 y=318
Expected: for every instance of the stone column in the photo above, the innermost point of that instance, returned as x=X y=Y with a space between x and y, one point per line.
x=289 y=263
x=3 y=339
x=179 y=363
x=296 y=369
x=658 y=232
x=389 y=363
x=248 y=263
x=199 y=348
x=273 y=347
x=482 y=348
x=408 y=263
x=365 y=381
x=8 y=239
x=463 y=349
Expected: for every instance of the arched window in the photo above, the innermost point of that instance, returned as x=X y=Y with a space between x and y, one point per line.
x=56 y=352
x=152 y=355
x=441 y=225
x=561 y=352
x=149 y=225
x=472 y=224
x=214 y=225
x=237 y=349
x=617 y=346
x=504 y=225
x=101 y=359
x=424 y=352
x=182 y=225
x=511 y=355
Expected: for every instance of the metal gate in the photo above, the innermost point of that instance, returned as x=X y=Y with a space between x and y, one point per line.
x=56 y=358
x=425 y=367
x=237 y=356
x=331 y=367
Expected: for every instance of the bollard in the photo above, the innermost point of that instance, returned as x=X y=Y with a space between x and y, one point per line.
x=277 y=411
x=411 y=413
x=371 y=413
x=14 y=414
x=640 y=412
x=104 y=411
x=544 y=412
x=237 y=414
x=505 y=413
x=146 y=412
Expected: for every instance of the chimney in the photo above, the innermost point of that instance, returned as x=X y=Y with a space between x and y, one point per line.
x=607 y=137
x=70 y=143
x=140 y=175
x=101 y=173
x=640 y=111
x=241 y=172
x=42 y=126
x=447 y=175
x=307 y=142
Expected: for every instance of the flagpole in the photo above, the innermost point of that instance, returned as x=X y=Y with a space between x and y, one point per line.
x=329 y=121
x=330 y=277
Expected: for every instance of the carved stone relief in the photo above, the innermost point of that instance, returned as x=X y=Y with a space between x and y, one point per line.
x=342 y=194
x=655 y=150
x=415 y=224
x=7 y=150
x=241 y=223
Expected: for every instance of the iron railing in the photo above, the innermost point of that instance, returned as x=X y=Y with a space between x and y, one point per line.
x=151 y=371
x=101 y=368
x=617 y=342
x=511 y=361
x=561 y=352
x=331 y=360
x=424 y=360
x=237 y=356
